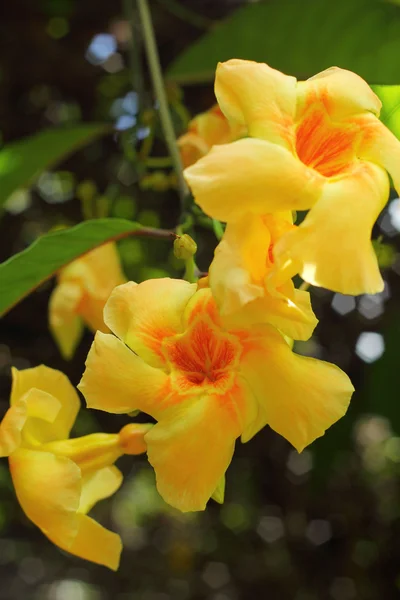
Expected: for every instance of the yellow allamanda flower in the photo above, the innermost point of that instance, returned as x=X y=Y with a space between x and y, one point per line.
x=245 y=283
x=58 y=480
x=82 y=289
x=315 y=144
x=206 y=385
x=204 y=131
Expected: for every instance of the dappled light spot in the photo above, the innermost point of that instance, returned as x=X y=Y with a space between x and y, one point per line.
x=270 y=529
x=370 y=346
x=319 y=531
x=342 y=304
x=101 y=48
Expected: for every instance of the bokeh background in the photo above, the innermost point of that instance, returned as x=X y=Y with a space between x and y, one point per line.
x=323 y=525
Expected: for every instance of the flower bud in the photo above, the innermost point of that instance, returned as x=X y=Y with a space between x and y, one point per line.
x=184 y=247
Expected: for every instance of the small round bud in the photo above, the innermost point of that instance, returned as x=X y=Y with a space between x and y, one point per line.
x=184 y=247
x=131 y=438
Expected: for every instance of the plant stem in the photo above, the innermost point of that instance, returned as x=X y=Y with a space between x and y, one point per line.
x=158 y=84
x=218 y=229
x=135 y=66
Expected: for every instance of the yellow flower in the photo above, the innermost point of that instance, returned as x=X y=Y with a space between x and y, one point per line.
x=58 y=480
x=205 y=385
x=316 y=144
x=204 y=131
x=243 y=281
x=81 y=292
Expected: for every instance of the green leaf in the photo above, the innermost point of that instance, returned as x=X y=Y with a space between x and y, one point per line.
x=302 y=37
x=390 y=113
x=21 y=162
x=24 y=272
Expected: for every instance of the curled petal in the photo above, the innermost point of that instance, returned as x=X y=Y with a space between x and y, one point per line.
x=266 y=175
x=98 y=485
x=289 y=311
x=118 y=381
x=191 y=449
x=342 y=92
x=56 y=513
x=95 y=543
x=258 y=97
x=239 y=281
x=11 y=427
x=299 y=397
x=332 y=247
x=143 y=315
x=53 y=386
x=65 y=323
x=380 y=146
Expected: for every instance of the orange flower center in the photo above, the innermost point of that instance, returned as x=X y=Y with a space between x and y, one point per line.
x=327 y=147
x=202 y=357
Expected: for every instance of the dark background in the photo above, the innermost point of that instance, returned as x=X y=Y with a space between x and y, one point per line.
x=323 y=525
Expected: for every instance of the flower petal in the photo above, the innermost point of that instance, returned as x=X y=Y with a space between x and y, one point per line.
x=95 y=543
x=57 y=387
x=97 y=273
x=98 y=485
x=252 y=175
x=191 y=449
x=332 y=247
x=342 y=92
x=380 y=146
x=118 y=381
x=65 y=323
x=11 y=427
x=143 y=315
x=299 y=397
x=238 y=278
x=54 y=513
x=258 y=97
x=291 y=313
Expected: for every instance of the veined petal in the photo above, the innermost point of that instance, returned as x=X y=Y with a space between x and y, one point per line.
x=98 y=485
x=118 y=381
x=343 y=94
x=299 y=397
x=143 y=315
x=266 y=175
x=258 y=97
x=65 y=322
x=191 y=449
x=332 y=247
x=58 y=388
x=380 y=146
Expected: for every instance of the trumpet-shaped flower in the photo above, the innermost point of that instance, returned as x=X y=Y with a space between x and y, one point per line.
x=316 y=144
x=82 y=290
x=204 y=131
x=58 y=480
x=172 y=358
x=243 y=280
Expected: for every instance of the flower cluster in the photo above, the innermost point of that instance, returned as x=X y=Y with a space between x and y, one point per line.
x=212 y=361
